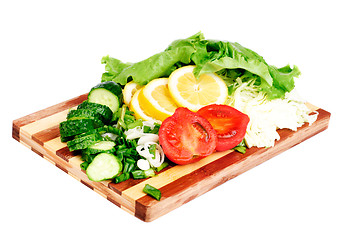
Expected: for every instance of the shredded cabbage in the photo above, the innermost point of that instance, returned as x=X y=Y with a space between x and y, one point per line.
x=266 y=116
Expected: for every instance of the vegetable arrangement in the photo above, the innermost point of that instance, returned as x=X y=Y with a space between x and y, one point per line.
x=196 y=97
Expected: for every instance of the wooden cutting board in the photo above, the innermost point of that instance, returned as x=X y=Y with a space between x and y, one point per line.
x=178 y=184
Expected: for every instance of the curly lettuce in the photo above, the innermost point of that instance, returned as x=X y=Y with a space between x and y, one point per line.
x=230 y=60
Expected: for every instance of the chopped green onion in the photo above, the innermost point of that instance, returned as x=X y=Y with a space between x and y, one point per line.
x=138 y=174
x=162 y=166
x=123 y=177
x=152 y=191
x=137 y=123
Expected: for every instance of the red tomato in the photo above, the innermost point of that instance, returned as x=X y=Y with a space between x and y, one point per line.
x=186 y=137
x=229 y=123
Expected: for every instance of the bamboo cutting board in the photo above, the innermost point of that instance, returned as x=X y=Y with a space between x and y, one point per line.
x=178 y=184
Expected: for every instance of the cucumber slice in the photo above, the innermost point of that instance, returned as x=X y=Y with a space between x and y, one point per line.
x=73 y=127
x=100 y=130
x=102 y=110
x=100 y=147
x=107 y=93
x=84 y=113
x=103 y=167
x=84 y=142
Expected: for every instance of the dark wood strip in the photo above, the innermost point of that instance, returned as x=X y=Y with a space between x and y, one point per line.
x=46 y=135
x=65 y=153
x=37 y=152
x=61 y=167
x=86 y=184
x=15 y=132
x=223 y=169
x=49 y=111
x=113 y=201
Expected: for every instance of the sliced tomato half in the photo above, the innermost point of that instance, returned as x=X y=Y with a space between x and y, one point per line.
x=186 y=137
x=229 y=123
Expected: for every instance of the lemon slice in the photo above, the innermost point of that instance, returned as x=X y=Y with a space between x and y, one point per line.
x=137 y=108
x=156 y=99
x=193 y=93
x=129 y=90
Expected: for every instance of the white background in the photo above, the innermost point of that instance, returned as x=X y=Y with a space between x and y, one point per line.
x=51 y=52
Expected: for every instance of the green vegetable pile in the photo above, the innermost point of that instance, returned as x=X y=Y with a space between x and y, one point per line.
x=97 y=128
x=230 y=60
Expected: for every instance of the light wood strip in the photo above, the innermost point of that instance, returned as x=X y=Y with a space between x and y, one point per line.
x=49 y=160
x=44 y=123
x=170 y=175
x=54 y=144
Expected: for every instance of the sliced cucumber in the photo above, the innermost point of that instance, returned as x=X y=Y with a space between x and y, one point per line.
x=83 y=113
x=104 y=166
x=100 y=130
x=84 y=142
x=102 y=110
x=107 y=93
x=74 y=127
x=100 y=147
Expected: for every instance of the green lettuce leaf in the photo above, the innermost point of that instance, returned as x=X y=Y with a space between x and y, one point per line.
x=228 y=59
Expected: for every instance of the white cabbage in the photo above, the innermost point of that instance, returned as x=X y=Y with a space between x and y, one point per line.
x=266 y=116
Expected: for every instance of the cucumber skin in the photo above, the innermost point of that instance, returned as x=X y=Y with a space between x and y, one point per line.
x=84 y=113
x=102 y=110
x=112 y=87
x=84 y=142
x=74 y=127
x=100 y=130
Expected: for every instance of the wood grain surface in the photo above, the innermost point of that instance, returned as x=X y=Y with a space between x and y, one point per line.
x=178 y=184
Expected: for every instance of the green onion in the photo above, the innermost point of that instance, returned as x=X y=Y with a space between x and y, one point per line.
x=162 y=166
x=123 y=177
x=152 y=191
x=138 y=174
x=137 y=123
x=129 y=165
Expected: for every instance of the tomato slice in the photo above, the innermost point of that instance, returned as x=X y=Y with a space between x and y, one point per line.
x=186 y=137
x=229 y=123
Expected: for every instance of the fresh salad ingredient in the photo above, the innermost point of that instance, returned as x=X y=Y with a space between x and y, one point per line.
x=152 y=152
x=229 y=123
x=140 y=174
x=266 y=116
x=70 y=128
x=104 y=166
x=138 y=108
x=129 y=90
x=152 y=191
x=147 y=144
x=108 y=94
x=102 y=147
x=228 y=59
x=104 y=111
x=84 y=141
x=107 y=141
x=156 y=99
x=192 y=92
x=186 y=137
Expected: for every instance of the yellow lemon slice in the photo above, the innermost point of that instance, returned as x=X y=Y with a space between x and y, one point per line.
x=156 y=99
x=129 y=90
x=136 y=107
x=193 y=93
